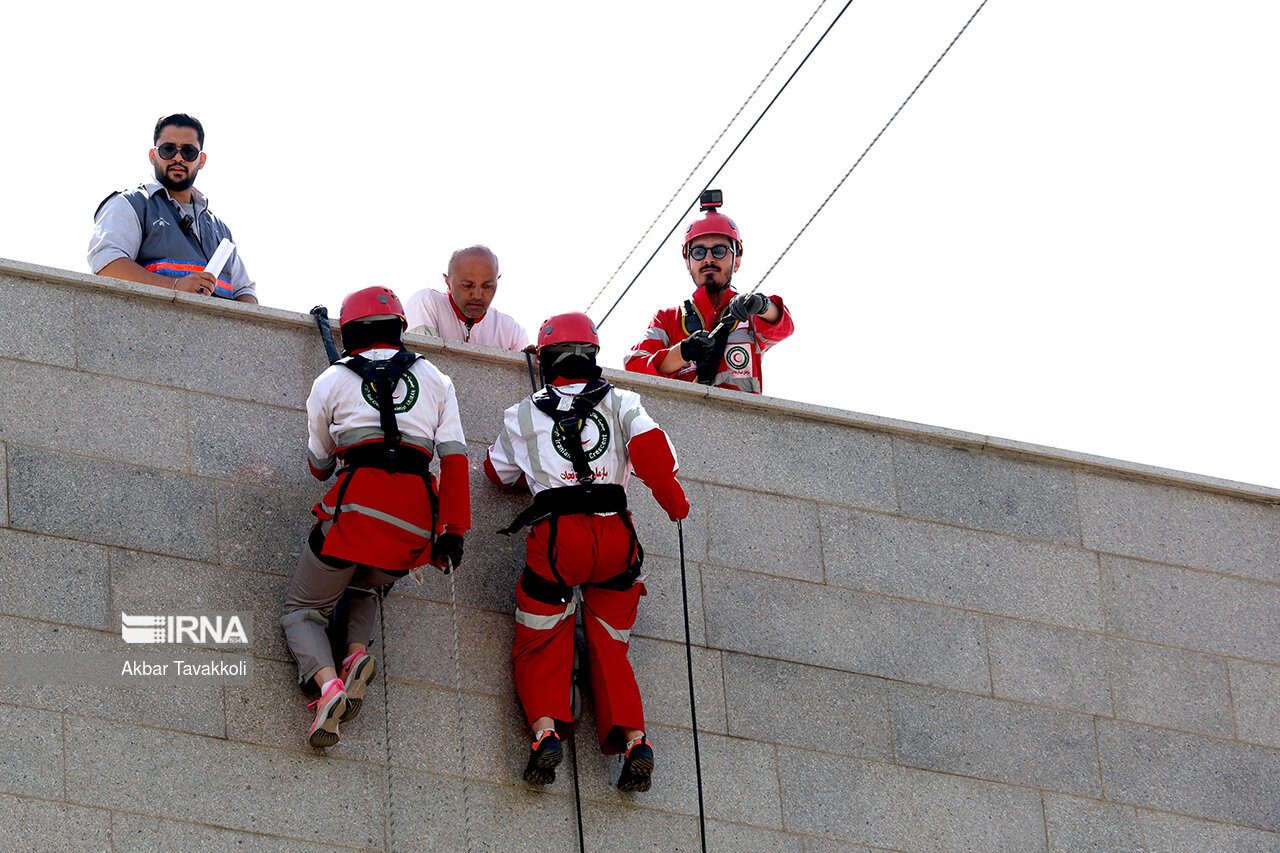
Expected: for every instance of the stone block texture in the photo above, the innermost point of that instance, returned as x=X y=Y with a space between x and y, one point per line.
x=929 y=642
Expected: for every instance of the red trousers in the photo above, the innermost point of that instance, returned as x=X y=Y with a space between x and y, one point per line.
x=589 y=549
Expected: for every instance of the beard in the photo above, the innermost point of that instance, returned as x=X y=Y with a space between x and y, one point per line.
x=175 y=186
x=714 y=287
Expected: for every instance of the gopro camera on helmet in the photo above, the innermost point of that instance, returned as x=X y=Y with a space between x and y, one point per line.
x=710 y=199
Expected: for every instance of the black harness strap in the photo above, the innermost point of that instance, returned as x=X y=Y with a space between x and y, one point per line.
x=540 y=589
x=389 y=454
x=708 y=369
x=585 y=498
x=383 y=375
x=692 y=319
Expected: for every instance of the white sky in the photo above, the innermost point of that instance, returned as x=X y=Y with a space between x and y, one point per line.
x=1068 y=237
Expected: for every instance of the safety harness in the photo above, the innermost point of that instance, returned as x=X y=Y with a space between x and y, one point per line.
x=585 y=498
x=390 y=454
x=692 y=322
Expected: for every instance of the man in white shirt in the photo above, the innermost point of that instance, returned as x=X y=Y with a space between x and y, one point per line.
x=462 y=312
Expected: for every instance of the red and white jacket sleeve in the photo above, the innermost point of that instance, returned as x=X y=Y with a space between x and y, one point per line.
x=451 y=450
x=664 y=333
x=769 y=334
x=501 y=464
x=653 y=459
x=322 y=458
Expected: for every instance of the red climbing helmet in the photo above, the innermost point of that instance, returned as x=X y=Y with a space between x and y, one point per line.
x=572 y=328
x=377 y=301
x=712 y=222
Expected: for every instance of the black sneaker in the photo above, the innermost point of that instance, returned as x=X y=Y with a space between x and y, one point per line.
x=544 y=756
x=637 y=768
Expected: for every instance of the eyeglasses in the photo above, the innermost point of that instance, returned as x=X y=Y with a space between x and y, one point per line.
x=700 y=252
x=168 y=151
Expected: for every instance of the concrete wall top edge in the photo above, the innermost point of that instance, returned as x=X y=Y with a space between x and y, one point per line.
x=656 y=386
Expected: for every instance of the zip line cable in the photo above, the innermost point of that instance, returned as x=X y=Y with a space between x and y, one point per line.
x=869 y=146
x=704 y=157
x=725 y=163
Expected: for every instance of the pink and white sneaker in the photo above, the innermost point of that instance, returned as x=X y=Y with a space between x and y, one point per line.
x=329 y=709
x=357 y=671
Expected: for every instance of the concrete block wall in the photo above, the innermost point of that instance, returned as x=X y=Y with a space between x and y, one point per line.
x=904 y=638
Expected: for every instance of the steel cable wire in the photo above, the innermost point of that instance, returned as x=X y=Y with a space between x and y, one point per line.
x=726 y=161
x=869 y=145
x=704 y=157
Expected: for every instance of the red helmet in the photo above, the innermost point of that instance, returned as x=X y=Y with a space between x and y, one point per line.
x=572 y=328
x=374 y=301
x=712 y=223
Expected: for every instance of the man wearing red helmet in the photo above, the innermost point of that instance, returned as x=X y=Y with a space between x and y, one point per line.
x=575 y=444
x=383 y=413
x=718 y=336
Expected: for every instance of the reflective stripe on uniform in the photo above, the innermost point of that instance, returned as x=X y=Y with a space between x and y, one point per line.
x=359 y=435
x=629 y=417
x=320 y=464
x=742 y=383
x=656 y=334
x=530 y=436
x=539 y=622
x=508 y=450
x=620 y=636
x=378 y=514
x=449 y=448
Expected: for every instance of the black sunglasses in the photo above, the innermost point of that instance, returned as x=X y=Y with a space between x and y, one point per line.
x=168 y=150
x=700 y=252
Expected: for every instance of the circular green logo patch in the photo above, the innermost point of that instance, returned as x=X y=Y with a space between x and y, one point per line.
x=404 y=400
x=595 y=438
x=737 y=357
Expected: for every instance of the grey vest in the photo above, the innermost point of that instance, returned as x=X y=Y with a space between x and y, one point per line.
x=169 y=239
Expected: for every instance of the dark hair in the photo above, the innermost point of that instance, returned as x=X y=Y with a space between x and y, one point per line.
x=179 y=120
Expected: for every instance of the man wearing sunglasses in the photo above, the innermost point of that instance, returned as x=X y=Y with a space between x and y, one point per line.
x=161 y=232
x=718 y=335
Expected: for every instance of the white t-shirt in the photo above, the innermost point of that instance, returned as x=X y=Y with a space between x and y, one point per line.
x=432 y=311
x=529 y=446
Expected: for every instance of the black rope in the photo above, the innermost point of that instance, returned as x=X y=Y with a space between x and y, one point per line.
x=577 y=796
x=528 y=359
x=575 y=689
x=704 y=157
x=725 y=163
x=693 y=711
x=873 y=142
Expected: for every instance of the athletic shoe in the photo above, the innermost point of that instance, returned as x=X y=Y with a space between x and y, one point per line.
x=329 y=708
x=637 y=768
x=545 y=755
x=356 y=674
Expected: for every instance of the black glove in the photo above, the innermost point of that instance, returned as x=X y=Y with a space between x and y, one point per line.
x=743 y=306
x=698 y=346
x=448 y=546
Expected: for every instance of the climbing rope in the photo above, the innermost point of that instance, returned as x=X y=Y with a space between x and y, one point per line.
x=703 y=158
x=462 y=737
x=386 y=719
x=725 y=163
x=693 y=710
x=873 y=142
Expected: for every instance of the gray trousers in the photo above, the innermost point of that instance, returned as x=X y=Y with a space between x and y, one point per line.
x=309 y=603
